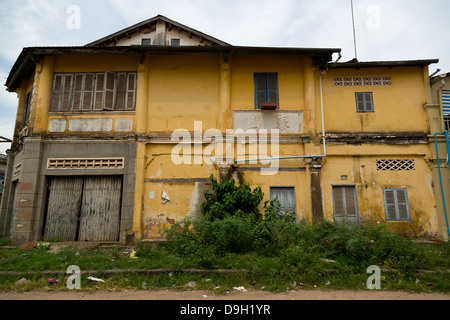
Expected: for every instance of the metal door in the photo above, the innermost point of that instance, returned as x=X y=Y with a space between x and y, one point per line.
x=100 y=209
x=63 y=208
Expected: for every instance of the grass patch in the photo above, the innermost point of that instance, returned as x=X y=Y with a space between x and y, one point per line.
x=273 y=255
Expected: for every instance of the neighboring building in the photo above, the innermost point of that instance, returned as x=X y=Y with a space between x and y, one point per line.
x=94 y=155
x=439 y=127
x=2 y=173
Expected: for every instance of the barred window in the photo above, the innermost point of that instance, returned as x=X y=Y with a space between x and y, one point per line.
x=75 y=92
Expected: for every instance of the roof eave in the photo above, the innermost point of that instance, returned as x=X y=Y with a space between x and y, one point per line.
x=389 y=64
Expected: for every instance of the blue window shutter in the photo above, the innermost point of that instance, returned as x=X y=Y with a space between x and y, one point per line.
x=445 y=97
x=266 y=88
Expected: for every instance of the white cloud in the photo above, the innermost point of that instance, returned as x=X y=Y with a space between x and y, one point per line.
x=409 y=29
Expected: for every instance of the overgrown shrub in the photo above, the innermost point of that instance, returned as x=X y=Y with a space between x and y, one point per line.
x=229 y=200
x=233 y=224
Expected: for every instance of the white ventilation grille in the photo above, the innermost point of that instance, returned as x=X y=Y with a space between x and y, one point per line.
x=97 y=163
x=396 y=165
x=362 y=81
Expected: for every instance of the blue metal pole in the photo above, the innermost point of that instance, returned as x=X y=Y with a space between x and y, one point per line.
x=440 y=175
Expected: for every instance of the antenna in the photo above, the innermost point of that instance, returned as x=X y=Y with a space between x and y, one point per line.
x=354 y=32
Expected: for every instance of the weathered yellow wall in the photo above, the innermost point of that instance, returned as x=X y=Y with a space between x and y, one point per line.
x=361 y=172
x=174 y=91
x=183 y=89
x=398 y=107
x=290 y=80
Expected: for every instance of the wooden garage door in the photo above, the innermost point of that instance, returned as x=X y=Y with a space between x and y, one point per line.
x=84 y=209
x=63 y=209
x=100 y=210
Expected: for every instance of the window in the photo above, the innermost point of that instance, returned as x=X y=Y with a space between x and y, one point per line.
x=345 y=205
x=175 y=42
x=266 y=89
x=364 y=102
x=74 y=92
x=146 y=42
x=27 y=107
x=396 y=204
x=445 y=100
x=286 y=197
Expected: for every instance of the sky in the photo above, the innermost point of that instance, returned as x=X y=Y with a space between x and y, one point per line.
x=386 y=30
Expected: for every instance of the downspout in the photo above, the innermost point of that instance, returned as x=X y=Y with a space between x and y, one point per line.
x=323 y=134
x=440 y=175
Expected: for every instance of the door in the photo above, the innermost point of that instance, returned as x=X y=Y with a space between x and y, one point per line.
x=100 y=210
x=84 y=209
x=63 y=208
x=286 y=196
x=345 y=205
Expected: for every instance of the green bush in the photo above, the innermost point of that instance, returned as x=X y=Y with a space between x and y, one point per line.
x=229 y=200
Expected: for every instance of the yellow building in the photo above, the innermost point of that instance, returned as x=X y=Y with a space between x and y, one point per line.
x=116 y=140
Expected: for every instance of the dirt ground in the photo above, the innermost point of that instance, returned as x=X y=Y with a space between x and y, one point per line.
x=211 y=295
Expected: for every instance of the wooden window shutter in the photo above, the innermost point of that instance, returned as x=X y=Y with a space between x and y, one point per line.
x=345 y=204
x=66 y=92
x=77 y=92
x=389 y=201
x=272 y=88
x=88 y=94
x=396 y=204
x=338 y=203
x=108 y=101
x=402 y=204
x=266 y=89
x=27 y=107
x=260 y=89
x=121 y=91
x=99 y=91
x=364 y=102
x=56 y=93
x=368 y=101
x=360 y=102
x=131 y=91
x=350 y=201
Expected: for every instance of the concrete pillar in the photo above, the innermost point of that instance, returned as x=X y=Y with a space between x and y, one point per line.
x=225 y=172
x=138 y=209
x=142 y=95
x=315 y=166
x=6 y=204
x=309 y=89
x=43 y=84
x=226 y=113
x=29 y=193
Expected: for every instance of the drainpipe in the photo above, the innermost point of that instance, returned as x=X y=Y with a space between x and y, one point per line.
x=323 y=134
x=440 y=176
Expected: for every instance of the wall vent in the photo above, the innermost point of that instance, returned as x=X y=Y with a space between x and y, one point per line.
x=396 y=165
x=17 y=169
x=91 y=163
x=362 y=81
